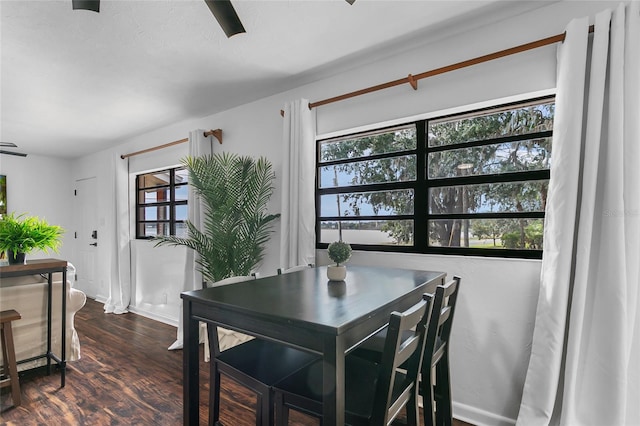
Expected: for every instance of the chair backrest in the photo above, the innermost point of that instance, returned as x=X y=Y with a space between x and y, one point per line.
x=212 y=330
x=439 y=327
x=294 y=269
x=437 y=401
x=400 y=347
x=232 y=280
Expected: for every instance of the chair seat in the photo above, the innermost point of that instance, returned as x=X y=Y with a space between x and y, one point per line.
x=361 y=377
x=265 y=361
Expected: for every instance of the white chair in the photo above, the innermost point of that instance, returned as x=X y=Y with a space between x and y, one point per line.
x=294 y=269
x=28 y=295
x=226 y=338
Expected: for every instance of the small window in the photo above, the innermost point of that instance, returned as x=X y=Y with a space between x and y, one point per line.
x=471 y=184
x=161 y=203
x=367 y=188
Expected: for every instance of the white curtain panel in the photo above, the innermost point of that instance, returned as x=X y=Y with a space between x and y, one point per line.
x=298 y=235
x=199 y=145
x=120 y=276
x=585 y=358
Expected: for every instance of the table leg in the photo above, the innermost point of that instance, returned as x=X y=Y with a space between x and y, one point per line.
x=63 y=360
x=49 y=309
x=333 y=382
x=190 y=367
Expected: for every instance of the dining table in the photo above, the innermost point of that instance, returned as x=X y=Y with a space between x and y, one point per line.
x=305 y=310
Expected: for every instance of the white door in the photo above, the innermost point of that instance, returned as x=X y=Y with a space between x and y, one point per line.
x=86 y=236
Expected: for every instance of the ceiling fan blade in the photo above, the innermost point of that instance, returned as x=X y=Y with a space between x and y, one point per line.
x=351 y=1
x=8 y=144
x=18 y=154
x=226 y=16
x=93 y=5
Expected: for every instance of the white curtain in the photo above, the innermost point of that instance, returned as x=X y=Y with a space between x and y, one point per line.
x=120 y=271
x=198 y=145
x=585 y=358
x=298 y=236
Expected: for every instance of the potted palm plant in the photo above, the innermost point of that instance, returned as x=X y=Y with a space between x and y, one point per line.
x=339 y=252
x=234 y=191
x=22 y=234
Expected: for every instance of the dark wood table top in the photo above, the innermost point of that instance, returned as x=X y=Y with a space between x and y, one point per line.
x=307 y=299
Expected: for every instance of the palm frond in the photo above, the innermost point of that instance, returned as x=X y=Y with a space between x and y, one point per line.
x=235 y=193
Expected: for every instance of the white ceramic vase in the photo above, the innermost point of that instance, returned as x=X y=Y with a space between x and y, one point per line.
x=336 y=273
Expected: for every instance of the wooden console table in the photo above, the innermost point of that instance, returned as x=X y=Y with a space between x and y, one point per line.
x=39 y=267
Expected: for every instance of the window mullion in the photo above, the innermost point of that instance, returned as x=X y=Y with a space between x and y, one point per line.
x=421 y=202
x=172 y=197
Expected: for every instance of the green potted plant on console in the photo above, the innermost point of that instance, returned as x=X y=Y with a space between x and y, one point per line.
x=22 y=234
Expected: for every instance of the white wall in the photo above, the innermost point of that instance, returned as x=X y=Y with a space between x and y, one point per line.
x=494 y=320
x=39 y=186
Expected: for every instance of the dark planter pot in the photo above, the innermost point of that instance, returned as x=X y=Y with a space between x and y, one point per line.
x=16 y=258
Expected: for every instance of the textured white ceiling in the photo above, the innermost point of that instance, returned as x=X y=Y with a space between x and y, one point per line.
x=74 y=82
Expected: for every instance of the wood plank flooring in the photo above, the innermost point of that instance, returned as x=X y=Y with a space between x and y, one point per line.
x=126 y=377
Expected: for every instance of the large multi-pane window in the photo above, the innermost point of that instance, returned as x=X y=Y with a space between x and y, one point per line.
x=473 y=183
x=161 y=203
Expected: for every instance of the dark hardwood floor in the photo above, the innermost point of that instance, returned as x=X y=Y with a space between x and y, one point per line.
x=126 y=377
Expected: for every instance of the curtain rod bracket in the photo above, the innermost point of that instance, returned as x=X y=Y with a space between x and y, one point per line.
x=413 y=82
x=217 y=133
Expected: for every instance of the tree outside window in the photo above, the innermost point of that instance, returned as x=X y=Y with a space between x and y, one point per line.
x=473 y=183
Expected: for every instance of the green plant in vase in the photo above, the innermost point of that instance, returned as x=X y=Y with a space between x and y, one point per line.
x=339 y=252
x=235 y=193
x=22 y=234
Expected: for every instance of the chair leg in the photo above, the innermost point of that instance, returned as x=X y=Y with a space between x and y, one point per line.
x=426 y=390
x=5 y=357
x=282 y=411
x=413 y=418
x=444 y=412
x=10 y=365
x=214 y=394
x=265 y=414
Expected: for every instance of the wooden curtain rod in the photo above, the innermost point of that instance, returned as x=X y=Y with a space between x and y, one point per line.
x=413 y=79
x=217 y=133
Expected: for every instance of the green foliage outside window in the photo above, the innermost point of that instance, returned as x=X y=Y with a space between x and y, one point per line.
x=475 y=152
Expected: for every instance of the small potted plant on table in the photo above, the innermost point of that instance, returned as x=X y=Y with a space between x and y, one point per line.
x=339 y=252
x=22 y=234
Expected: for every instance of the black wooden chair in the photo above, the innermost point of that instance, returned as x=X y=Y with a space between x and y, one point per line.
x=256 y=364
x=374 y=393
x=226 y=338
x=435 y=383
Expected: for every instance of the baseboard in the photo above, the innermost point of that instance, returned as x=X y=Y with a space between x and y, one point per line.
x=478 y=417
x=145 y=313
x=153 y=315
x=100 y=299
